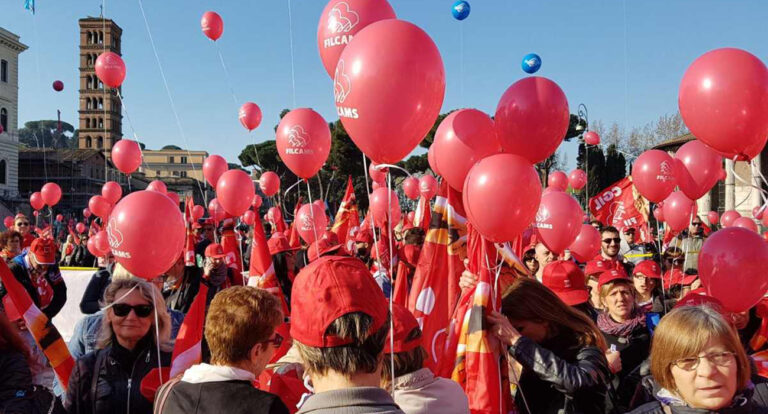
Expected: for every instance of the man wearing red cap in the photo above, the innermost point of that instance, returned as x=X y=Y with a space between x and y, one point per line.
x=566 y=280
x=339 y=324
x=417 y=389
x=38 y=272
x=215 y=270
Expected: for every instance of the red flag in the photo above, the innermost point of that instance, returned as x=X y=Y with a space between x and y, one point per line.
x=435 y=288
x=277 y=225
x=347 y=216
x=408 y=258
x=46 y=335
x=187 y=350
x=261 y=273
x=231 y=246
x=480 y=360
x=621 y=205
x=422 y=217
x=75 y=237
x=295 y=239
x=189 y=246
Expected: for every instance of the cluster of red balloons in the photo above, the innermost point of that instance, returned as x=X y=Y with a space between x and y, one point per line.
x=49 y=195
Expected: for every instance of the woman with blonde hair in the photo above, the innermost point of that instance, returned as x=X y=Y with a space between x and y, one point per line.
x=560 y=348
x=135 y=332
x=699 y=367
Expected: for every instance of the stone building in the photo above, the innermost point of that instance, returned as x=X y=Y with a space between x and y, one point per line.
x=735 y=193
x=172 y=161
x=10 y=48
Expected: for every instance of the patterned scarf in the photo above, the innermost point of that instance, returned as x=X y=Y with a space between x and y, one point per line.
x=611 y=327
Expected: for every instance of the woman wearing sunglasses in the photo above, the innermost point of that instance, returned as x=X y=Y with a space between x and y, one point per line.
x=699 y=367
x=109 y=380
x=240 y=331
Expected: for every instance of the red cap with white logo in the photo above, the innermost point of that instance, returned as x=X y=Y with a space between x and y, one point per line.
x=567 y=281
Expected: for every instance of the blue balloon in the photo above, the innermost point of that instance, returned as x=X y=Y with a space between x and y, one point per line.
x=531 y=63
x=460 y=10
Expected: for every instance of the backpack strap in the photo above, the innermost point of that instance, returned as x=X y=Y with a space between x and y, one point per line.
x=163 y=393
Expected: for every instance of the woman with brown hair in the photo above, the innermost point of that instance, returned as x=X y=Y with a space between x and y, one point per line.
x=699 y=367
x=10 y=243
x=561 y=350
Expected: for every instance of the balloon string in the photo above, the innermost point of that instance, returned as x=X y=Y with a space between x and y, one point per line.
x=130 y=124
x=659 y=236
x=290 y=40
x=391 y=278
x=382 y=166
x=157 y=341
x=312 y=214
x=226 y=73
x=732 y=169
x=461 y=57
x=285 y=194
x=242 y=260
x=170 y=99
x=104 y=90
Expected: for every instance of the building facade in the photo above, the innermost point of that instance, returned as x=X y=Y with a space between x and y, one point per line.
x=101 y=119
x=168 y=162
x=10 y=48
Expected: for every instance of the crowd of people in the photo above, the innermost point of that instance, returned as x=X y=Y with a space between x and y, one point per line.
x=630 y=330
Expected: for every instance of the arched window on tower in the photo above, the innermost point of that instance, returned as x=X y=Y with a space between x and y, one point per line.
x=89 y=38
x=101 y=103
x=101 y=37
x=100 y=142
x=87 y=123
x=101 y=123
x=87 y=103
x=88 y=142
x=4 y=118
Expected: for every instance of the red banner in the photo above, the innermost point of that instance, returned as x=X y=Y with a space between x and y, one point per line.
x=620 y=205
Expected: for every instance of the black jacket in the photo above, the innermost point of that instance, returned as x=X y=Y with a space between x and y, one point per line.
x=231 y=397
x=15 y=383
x=181 y=297
x=561 y=378
x=634 y=349
x=53 y=276
x=756 y=402
x=108 y=381
x=94 y=292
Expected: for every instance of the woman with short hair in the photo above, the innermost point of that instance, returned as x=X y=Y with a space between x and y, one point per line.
x=700 y=367
x=108 y=380
x=10 y=243
x=560 y=348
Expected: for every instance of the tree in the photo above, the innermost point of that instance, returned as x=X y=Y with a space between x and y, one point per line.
x=171 y=147
x=552 y=163
x=596 y=162
x=46 y=133
x=415 y=164
x=615 y=166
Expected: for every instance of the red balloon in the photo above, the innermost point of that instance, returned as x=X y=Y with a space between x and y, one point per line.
x=319 y=203
x=397 y=63
x=341 y=21
x=212 y=25
x=463 y=138
x=653 y=175
x=557 y=180
x=174 y=197
x=213 y=167
x=411 y=216
x=765 y=236
x=679 y=210
x=235 y=192
x=146 y=233
x=375 y=186
x=86 y=212
x=216 y=211
x=698 y=168
x=249 y=217
x=658 y=212
x=91 y=245
x=432 y=161
x=269 y=183
x=758 y=212
x=558 y=220
x=385 y=207
x=198 y=212
x=8 y=222
x=587 y=243
x=51 y=193
x=110 y=68
x=59 y=217
x=411 y=188
x=250 y=116
x=303 y=141
x=100 y=206
x=727 y=219
x=378 y=175
x=112 y=191
x=80 y=228
x=101 y=243
x=126 y=155
x=36 y=200
x=713 y=217
x=312 y=222
x=274 y=215
x=745 y=222
x=58 y=86
x=494 y=206
x=428 y=186
x=723 y=100
x=577 y=179
x=732 y=265
x=591 y=138
x=35 y=213
x=532 y=118
x=256 y=203
x=158 y=186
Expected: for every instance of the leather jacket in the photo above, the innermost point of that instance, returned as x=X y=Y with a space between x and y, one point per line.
x=560 y=376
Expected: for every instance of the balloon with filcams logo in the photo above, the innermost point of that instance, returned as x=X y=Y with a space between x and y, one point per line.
x=303 y=141
x=110 y=69
x=531 y=63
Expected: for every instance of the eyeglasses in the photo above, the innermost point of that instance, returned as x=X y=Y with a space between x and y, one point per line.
x=122 y=310
x=276 y=341
x=615 y=240
x=695 y=224
x=21 y=223
x=721 y=359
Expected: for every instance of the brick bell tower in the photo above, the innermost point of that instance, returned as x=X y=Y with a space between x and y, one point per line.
x=101 y=119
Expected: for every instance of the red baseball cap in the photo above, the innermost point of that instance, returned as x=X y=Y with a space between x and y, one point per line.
x=44 y=251
x=403 y=323
x=278 y=243
x=648 y=268
x=627 y=229
x=567 y=281
x=363 y=236
x=698 y=298
x=327 y=289
x=196 y=226
x=328 y=242
x=612 y=275
x=214 y=251
x=677 y=277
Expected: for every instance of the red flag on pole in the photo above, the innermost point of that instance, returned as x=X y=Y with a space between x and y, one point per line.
x=189 y=245
x=187 y=350
x=422 y=217
x=347 y=216
x=295 y=239
x=621 y=205
x=46 y=335
x=435 y=288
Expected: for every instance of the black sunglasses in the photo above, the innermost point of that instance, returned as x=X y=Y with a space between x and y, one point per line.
x=615 y=240
x=122 y=309
x=695 y=224
x=22 y=224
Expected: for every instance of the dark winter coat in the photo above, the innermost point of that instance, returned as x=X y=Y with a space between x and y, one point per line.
x=750 y=402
